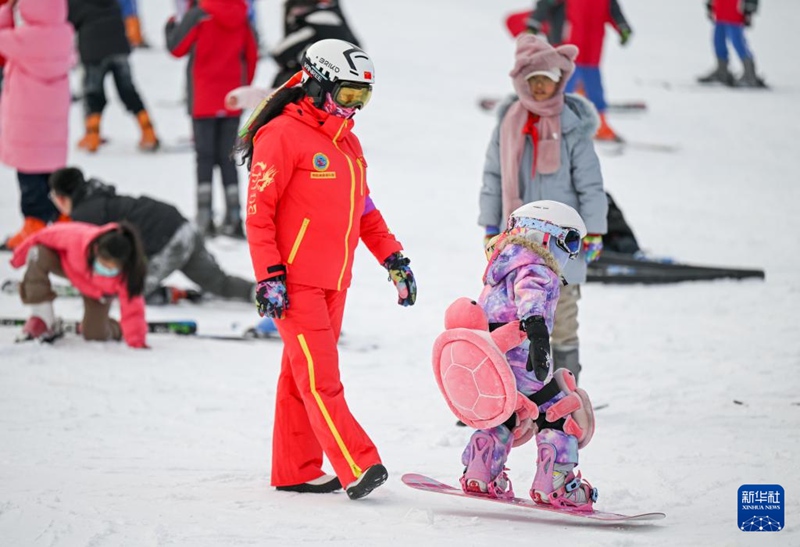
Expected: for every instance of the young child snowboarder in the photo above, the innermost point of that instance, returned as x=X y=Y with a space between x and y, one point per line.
x=730 y=17
x=222 y=56
x=522 y=283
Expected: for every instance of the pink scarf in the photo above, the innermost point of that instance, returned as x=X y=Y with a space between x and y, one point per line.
x=533 y=54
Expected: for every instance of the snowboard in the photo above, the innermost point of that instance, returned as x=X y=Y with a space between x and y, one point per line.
x=619 y=268
x=427 y=484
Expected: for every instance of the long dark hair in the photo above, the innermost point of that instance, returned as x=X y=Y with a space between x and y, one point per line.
x=271 y=110
x=122 y=245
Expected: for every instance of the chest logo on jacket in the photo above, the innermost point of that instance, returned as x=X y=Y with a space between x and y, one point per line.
x=321 y=162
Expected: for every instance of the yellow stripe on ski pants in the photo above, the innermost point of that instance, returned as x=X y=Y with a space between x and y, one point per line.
x=328 y=420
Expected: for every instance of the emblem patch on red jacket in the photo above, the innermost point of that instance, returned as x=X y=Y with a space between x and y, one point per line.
x=321 y=161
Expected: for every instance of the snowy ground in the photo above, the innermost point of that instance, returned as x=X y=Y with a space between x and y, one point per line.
x=103 y=445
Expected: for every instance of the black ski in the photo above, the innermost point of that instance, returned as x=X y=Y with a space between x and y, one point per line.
x=153 y=327
x=161 y=296
x=618 y=268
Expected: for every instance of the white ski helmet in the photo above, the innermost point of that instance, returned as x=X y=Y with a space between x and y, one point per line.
x=555 y=226
x=339 y=68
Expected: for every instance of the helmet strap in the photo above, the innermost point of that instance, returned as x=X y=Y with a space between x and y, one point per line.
x=315 y=92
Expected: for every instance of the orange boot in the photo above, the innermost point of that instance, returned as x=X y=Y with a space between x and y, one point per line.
x=149 y=142
x=29 y=227
x=91 y=141
x=605 y=133
x=133 y=31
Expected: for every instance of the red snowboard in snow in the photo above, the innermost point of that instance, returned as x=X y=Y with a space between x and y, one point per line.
x=421 y=482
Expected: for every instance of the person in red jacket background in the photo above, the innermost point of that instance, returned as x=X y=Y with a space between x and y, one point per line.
x=102 y=262
x=222 y=53
x=730 y=17
x=585 y=27
x=308 y=205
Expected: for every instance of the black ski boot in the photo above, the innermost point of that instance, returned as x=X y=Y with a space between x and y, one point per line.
x=750 y=78
x=232 y=225
x=369 y=480
x=322 y=485
x=205 y=212
x=720 y=74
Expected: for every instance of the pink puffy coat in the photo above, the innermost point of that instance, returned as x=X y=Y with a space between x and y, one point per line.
x=34 y=106
x=71 y=240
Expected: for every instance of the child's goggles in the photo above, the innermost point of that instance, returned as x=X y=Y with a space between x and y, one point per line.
x=568 y=239
x=351 y=94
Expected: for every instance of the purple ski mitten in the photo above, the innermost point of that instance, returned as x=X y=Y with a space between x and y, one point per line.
x=592 y=247
x=271 y=298
x=402 y=277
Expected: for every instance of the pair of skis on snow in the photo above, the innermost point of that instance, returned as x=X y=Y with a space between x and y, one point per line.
x=609 y=147
x=186 y=328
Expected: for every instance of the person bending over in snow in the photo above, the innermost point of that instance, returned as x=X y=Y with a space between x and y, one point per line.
x=102 y=262
x=730 y=17
x=170 y=241
x=308 y=205
x=522 y=283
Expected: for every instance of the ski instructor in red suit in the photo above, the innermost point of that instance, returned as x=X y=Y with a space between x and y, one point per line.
x=308 y=205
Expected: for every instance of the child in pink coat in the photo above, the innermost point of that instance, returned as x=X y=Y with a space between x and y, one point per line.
x=102 y=262
x=34 y=106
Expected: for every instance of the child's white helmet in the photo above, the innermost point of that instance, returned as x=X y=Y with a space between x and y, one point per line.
x=554 y=225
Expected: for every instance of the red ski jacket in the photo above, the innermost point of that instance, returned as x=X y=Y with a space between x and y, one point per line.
x=308 y=200
x=586 y=21
x=222 y=53
x=71 y=240
x=732 y=11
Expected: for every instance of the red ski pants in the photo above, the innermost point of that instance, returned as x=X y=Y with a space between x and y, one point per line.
x=311 y=415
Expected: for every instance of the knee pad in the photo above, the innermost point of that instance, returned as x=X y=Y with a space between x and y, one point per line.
x=575 y=408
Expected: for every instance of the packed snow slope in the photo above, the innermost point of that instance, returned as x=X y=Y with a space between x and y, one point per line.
x=106 y=446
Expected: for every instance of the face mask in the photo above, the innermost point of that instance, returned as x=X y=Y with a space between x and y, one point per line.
x=103 y=270
x=332 y=107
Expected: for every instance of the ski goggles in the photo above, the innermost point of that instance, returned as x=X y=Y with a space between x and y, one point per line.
x=351 y=94
x=567 y=239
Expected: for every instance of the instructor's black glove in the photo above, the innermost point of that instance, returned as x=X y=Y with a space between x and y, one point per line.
x=539 y=352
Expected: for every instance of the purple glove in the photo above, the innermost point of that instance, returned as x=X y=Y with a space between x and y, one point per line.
x=271 y=297
x=592 y=247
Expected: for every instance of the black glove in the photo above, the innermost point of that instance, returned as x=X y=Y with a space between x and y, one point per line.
x=748 y=19
x=539 y=352
x=710 y=10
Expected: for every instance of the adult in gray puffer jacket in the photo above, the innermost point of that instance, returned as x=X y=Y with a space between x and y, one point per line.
x=559 y=129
